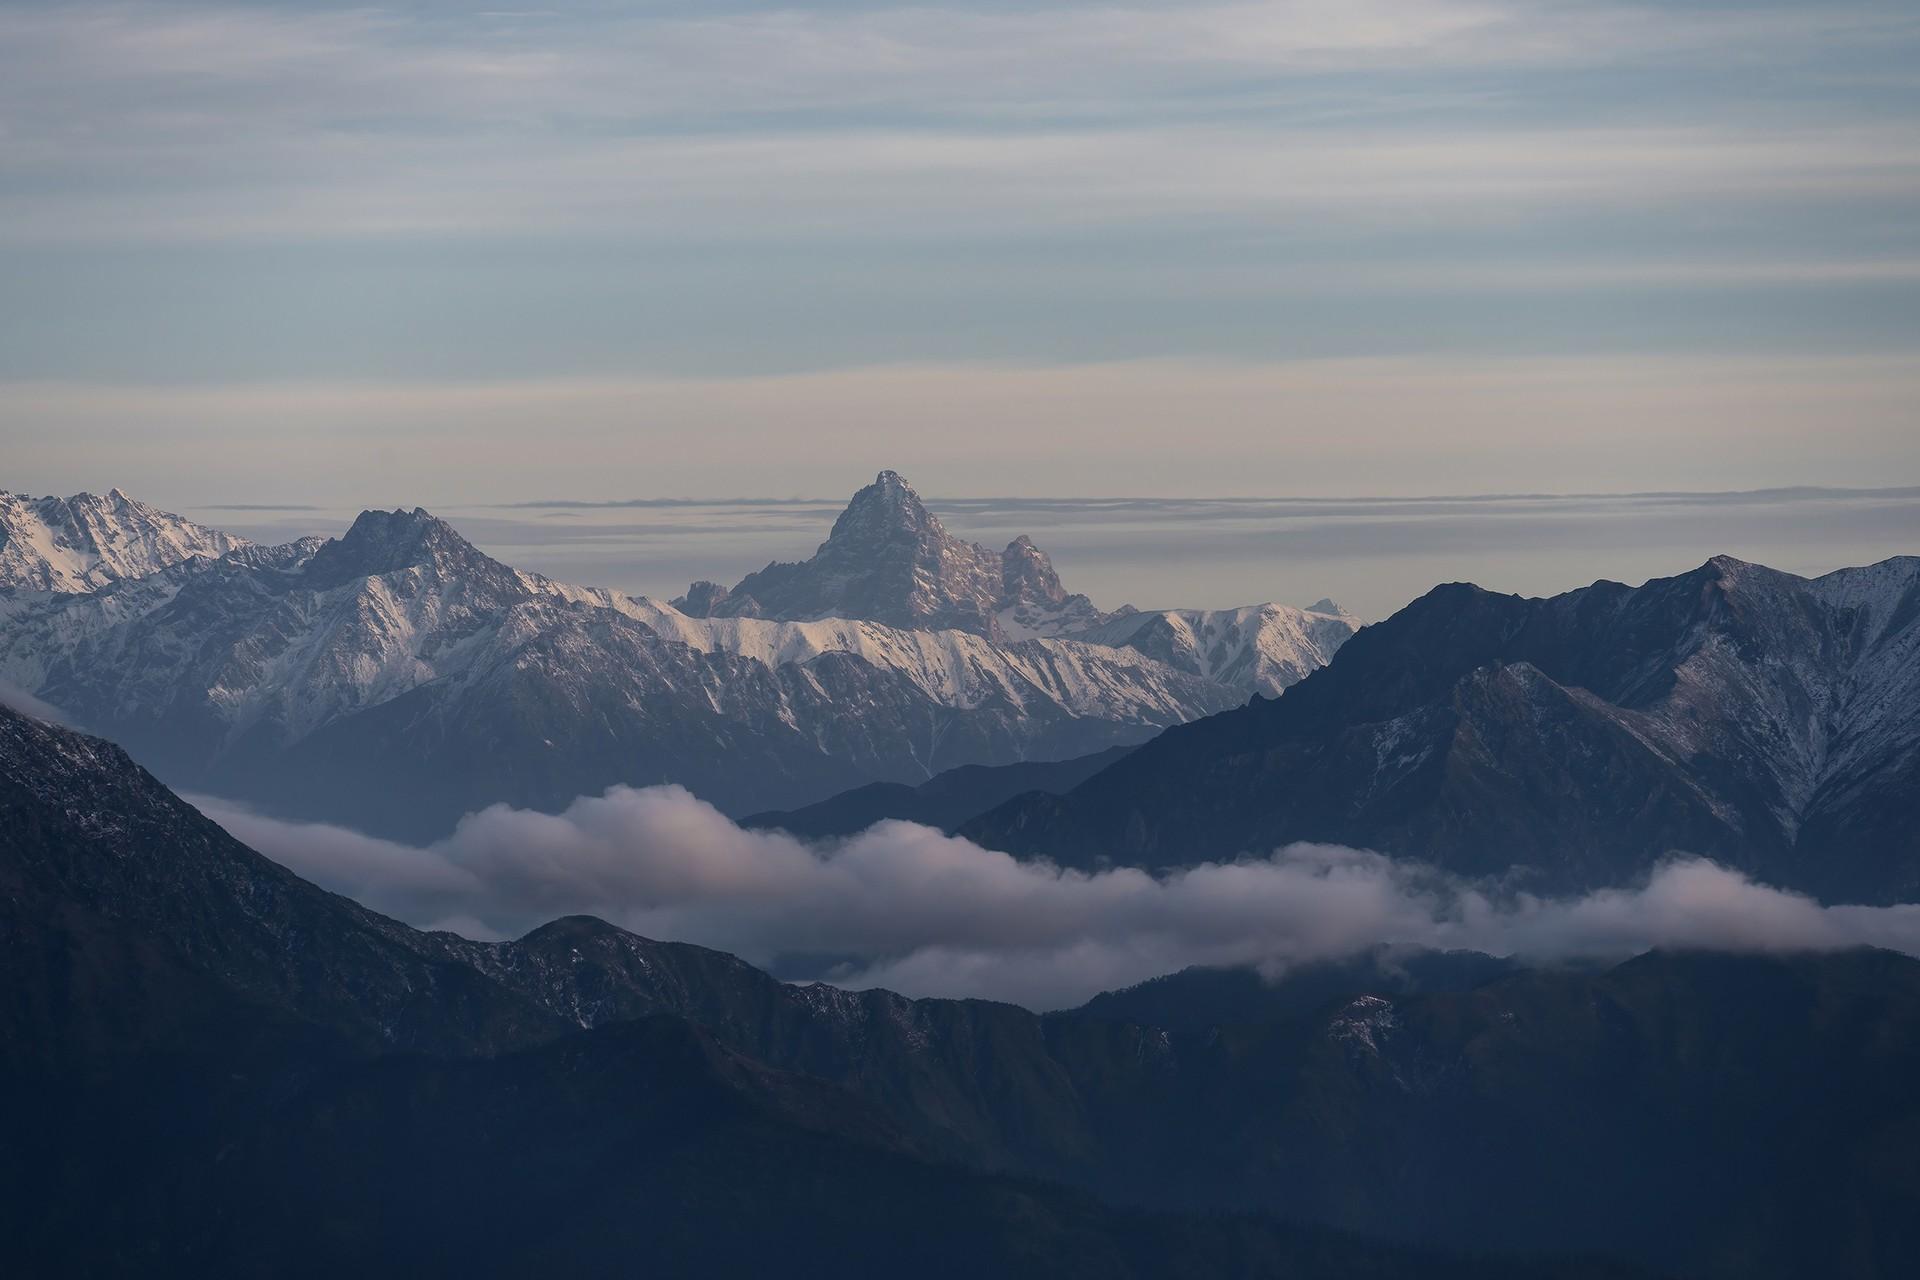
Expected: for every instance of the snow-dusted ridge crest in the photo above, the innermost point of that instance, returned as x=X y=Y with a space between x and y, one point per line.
x=290 y=672
x=87 y=541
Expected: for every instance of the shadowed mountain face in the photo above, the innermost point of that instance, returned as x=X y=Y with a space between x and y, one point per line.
x=234 y=1072
x=1201 y=998
x=944 y=802
x=1768 y=721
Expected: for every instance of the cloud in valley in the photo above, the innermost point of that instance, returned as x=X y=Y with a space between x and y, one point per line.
x=14 y=698
x=911 y=909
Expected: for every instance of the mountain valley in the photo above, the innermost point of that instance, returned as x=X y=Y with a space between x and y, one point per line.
x=298 y=1039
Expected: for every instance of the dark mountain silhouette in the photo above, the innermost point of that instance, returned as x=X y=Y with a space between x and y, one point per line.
x=217 y=1069
x=1768 y=721
x=234 y=1072
x=1199 y=998
x=944 y=801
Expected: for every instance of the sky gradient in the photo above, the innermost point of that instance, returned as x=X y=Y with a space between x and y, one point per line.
x=302 y=252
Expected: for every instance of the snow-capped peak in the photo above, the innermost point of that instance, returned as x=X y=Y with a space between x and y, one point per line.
x=88 y=541
x=277 y=649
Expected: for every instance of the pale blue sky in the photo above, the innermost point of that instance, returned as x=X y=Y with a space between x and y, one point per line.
x=430 y=252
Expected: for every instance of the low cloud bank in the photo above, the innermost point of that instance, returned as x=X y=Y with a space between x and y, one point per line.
x=14 y=698
x=908 y=908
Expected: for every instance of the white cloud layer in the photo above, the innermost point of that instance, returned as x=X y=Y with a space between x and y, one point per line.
x=911 y=909
x=14 y=698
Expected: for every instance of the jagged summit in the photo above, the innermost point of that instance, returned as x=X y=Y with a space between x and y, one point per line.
x=381 y=542
x=885 y=512
x=703 y=599
x=396 y=677
x=889 y=559
x=1736 y=712
x=89 y=540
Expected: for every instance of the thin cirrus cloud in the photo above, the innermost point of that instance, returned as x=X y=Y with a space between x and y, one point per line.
x=293 y=203
x=471 y=62
x=313 y=121
x=914 y=910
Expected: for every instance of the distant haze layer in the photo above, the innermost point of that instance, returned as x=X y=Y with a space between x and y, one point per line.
x=1370 y=554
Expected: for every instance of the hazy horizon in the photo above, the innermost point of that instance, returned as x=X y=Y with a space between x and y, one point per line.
x=1371 y=554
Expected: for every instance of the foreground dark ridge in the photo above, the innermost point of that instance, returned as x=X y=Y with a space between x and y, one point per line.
x=234 y=1071
x=945 y=801
x=1767 y=721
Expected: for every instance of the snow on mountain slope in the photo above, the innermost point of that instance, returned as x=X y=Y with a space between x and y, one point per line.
x=84 y=542
x=361 y=622
x=292 y=637
x=1737 y=712
x=1261 y=648
x=889 y=560
x=955 y=668
x=1882 y=603
x=402 y=642
x=342 y=676
x=1832 y=698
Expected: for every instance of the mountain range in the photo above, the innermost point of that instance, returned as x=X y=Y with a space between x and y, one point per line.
x=396 y=678
x=85 y=542
x=1768 y=721
x=232 y=1071
x=889 y=560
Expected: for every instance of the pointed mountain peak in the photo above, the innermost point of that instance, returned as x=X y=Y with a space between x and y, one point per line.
x=84 y=542
x=890 y=560
x=886 y=511
x=1732 y=575
x=889 y=488
x=389 y=541
x=1028 y=575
